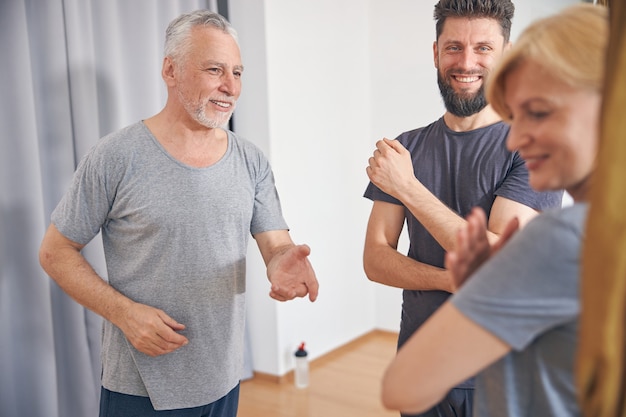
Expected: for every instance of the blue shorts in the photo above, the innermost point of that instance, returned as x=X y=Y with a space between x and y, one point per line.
x=114 y=404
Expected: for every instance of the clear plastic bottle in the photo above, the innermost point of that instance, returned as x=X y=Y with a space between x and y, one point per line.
x=301 y=377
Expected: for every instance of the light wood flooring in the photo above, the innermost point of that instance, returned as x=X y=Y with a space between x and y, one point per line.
x=345 y=382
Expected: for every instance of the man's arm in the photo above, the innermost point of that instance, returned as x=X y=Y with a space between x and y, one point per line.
x=288 y=267
x=384 y=264
x=148 y=329
x=473 y=248
x=433 y=361
x=391 y=169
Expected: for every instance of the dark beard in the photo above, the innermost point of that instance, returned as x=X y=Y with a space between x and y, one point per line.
x=457 y=105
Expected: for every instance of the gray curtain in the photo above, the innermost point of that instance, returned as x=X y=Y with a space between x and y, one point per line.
x=72 y=71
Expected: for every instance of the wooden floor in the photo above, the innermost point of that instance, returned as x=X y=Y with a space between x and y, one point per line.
x=344 y=383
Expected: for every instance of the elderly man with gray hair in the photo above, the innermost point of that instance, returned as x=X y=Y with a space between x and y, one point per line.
x=176 y=197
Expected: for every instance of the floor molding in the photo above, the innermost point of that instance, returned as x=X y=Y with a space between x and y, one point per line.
x=332 y=355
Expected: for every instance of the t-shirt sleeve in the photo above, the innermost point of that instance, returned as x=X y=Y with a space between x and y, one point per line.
x=515 y=187
x=374 y=193
x=83 y=209
x=530 y=286
x=267 y=213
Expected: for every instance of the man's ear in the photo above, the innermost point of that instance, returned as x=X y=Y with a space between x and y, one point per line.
x=167 y=72
x=436 y=54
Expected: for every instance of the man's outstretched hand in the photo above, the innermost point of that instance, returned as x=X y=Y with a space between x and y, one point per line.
x=292 y=275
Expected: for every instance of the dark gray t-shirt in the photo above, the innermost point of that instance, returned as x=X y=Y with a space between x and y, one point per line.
x=528 y=296
x=463 y=170
x=175 y=237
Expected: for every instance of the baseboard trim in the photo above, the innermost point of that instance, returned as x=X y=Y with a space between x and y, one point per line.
x=332 y=355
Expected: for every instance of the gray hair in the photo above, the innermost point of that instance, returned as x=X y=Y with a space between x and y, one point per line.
x=178 y=32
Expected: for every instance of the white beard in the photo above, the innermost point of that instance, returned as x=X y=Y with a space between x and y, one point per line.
x=197 y=111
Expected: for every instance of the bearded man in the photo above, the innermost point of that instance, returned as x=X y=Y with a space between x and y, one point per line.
x=431 y=177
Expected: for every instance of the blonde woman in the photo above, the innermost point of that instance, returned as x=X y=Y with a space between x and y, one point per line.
x=518 y=313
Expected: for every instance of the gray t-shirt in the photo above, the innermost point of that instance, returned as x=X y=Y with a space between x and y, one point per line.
x=528 y=296
x=463 y=170
x=175 y=238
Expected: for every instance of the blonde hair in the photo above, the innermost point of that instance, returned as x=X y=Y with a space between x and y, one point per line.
x=570 y=45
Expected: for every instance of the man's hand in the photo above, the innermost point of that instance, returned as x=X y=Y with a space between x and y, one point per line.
x=473 y=247
x=391 y=168
x=292 y=275
x=151 y=331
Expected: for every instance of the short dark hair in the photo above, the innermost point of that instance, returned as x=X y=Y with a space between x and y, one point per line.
x=500 y=10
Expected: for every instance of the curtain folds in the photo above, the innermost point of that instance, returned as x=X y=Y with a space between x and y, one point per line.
x=74 y=70
x=602 y=353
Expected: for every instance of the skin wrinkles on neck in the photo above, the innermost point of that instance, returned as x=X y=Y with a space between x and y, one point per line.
x=197 y=147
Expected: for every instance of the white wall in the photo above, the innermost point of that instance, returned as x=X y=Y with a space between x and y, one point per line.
x=315 y=110
x=323 y=81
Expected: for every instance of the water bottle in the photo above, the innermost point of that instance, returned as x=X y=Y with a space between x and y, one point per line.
x=301 y=378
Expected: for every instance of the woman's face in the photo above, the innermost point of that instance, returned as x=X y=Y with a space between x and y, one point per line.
x=555 y=128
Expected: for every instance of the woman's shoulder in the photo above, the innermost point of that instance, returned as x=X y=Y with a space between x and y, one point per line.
x=571 y=217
